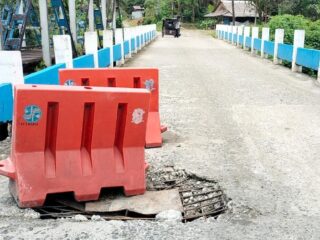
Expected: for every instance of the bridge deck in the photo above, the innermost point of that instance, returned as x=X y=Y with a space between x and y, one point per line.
x=233 y=117
x=250 y=124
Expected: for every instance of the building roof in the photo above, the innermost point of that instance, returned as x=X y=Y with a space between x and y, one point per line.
x=137 y=8
x=242 y=9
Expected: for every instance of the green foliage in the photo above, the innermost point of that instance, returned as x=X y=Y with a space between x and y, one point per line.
x=32 y=38
x=80 y=49
x=119 y=23
x=41 y=65
x=164 y=9
x=313 y=35
x=194 y=10
x=207 y=24
x=307 y=8
x=150 y=12
x=290 y=23
x=189 y=10
x=210 y=8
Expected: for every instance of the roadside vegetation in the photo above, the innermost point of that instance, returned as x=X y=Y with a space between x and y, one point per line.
x=289 y=23
x=193 y=11
x=286 y=14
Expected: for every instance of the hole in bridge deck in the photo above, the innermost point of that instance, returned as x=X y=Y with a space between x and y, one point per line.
x=200 y=197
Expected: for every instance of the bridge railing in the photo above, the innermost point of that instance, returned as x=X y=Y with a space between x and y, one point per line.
x=248 y=38
x=127 y=42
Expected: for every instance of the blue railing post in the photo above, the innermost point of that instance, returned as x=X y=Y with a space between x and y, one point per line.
x=298 y=42
x=246 y=35
x=255 y=35
x=240 y=36
x=265 y=37
x=278 y=38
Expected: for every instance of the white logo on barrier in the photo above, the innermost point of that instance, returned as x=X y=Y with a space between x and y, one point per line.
x=149 y=85
x=137 y=116
x=69 y=83
x=32 y=113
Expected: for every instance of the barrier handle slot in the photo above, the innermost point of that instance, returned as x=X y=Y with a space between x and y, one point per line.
x=137 y=82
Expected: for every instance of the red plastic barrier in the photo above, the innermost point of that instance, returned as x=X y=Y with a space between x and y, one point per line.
x=128 y=78
x=77 y=140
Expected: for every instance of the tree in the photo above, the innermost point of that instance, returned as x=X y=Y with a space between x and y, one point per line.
x=233 y=14
x=266 y=7
x=307 y=8
x=189 y=10
x=151 y=15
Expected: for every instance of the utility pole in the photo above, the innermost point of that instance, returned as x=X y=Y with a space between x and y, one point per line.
x=158 y=8
x=73 y=21
x=114 y=15
x=172 y=7
x=104 y=13
x=0 y=35
x=45 y=38
x=91 y=16
x=114 y=20
x=233 y=14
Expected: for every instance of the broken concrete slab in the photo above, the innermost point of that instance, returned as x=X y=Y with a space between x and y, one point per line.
x=151 y=203
x=169 y=215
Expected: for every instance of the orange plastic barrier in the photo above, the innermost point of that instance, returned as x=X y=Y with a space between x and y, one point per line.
x=128 y=78
x=77 y=140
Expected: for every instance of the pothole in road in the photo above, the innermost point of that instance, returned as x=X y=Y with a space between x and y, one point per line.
x=199 y=197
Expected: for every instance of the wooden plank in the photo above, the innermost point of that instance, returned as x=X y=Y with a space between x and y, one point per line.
x=151 y=203
x=30 y=56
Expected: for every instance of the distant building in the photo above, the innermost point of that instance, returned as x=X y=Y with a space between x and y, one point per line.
x=245 y=11
x=137 y=12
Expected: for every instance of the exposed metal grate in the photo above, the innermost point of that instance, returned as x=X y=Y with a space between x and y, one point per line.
x=202 y=203
x=200 y=197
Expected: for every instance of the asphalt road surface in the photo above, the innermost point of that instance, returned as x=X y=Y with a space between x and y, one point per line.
x=232 y=117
